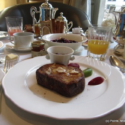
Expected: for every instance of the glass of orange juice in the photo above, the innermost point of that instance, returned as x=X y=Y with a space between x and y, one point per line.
x=14 y=25
x=98 y=41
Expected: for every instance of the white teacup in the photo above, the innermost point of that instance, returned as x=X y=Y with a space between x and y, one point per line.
x=60 y=54
x=76 y=30
x=23 y=39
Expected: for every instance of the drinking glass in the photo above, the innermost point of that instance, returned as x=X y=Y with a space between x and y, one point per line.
x=98 y=41
x=14 y=25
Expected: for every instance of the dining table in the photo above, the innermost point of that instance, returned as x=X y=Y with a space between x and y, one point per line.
x=11 y=114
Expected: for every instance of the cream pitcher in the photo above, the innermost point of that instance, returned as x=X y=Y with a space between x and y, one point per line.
x=67 y=26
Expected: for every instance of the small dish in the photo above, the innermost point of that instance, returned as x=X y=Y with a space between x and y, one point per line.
x=12 y=47
x=3 y=34
x=60 y=54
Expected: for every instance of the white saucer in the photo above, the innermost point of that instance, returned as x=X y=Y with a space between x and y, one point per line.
x=23 y=49
x=8 y=46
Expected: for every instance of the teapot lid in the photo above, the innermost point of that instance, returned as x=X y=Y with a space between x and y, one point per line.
x=61 y=18
x=46 y=5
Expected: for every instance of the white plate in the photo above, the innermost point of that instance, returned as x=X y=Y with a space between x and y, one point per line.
x=3 y=34
x=1 y=76
x=1 y=45
x=9 y=46
x=93 y=102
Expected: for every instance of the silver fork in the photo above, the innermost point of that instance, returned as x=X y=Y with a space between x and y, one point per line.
x=8 y=64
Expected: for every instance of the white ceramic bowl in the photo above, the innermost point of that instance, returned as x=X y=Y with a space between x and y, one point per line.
x=60 y=54
x=80 y=39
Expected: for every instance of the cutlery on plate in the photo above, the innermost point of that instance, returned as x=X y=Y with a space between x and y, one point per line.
x=117 y=62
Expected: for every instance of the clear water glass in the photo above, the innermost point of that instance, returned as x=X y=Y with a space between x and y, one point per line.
x=14 y=25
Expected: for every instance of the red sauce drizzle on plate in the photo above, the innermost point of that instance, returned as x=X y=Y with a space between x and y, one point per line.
x=74 y=65
x=96 y=81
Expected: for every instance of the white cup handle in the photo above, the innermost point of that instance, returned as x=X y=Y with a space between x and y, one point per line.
x=71 y=24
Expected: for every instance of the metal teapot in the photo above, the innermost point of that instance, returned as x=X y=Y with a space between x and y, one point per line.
x=46 y=10
x=61 y=18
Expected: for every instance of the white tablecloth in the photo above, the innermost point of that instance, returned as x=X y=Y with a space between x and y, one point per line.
x=12 y=115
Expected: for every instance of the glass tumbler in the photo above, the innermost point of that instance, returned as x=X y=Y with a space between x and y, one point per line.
x=14 y=25
x=98 y=41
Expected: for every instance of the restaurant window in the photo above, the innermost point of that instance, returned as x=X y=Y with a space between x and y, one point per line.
x=110 y=7
x=118 y=5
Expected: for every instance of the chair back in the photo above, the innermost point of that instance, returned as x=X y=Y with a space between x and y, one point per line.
x=78 y=17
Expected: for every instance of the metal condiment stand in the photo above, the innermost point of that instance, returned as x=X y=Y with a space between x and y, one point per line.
x=119 y=32
x=46 y=13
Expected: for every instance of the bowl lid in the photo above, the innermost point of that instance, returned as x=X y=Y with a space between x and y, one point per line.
x=61 y=18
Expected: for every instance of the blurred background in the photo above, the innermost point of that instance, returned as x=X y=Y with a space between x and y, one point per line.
x=97 y=10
